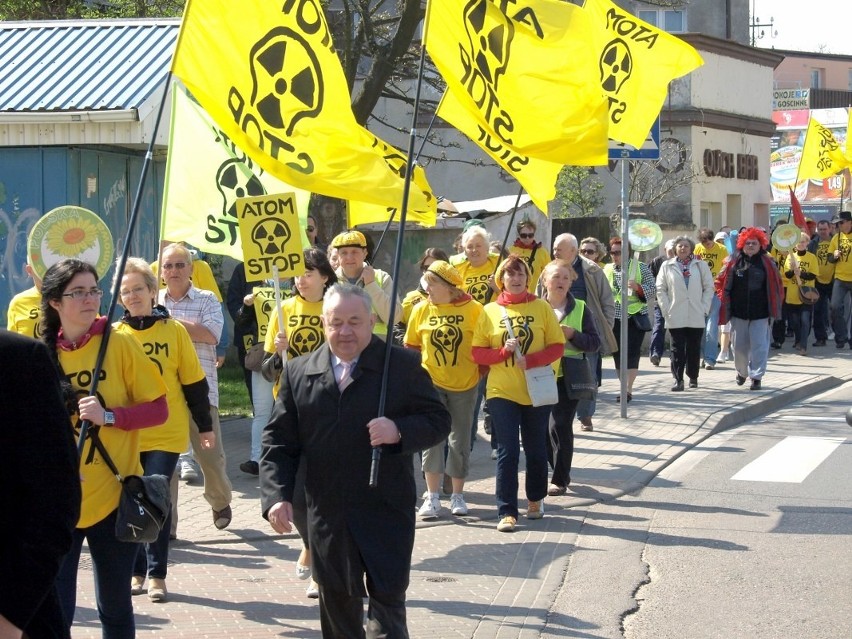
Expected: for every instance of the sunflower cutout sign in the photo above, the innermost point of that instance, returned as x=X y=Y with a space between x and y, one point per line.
x=70 y=232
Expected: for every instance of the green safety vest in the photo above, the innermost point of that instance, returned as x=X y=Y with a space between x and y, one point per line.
x=574 y=319
x=634 y=304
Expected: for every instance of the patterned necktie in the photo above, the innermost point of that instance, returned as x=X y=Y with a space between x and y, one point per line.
x=345 y=375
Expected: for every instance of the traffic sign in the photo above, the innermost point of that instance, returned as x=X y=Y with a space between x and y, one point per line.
x=650 y=150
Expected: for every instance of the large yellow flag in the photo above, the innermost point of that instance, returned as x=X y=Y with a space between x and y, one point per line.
x=635 y=61
x=267 y=74
x=822 y=156
x=205 y=174
x=365 y=213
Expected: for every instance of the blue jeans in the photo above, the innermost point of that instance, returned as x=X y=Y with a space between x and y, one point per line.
x=153 y=559
x=658 y=334
x=800 y=323
x=262 y=406
x=506 y=418
x=112 y=564
x=751 y=346
x=711 y=332
x=821 y=316
x=841 y=309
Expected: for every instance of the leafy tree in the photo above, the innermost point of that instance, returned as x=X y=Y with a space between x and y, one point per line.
x=578 y=192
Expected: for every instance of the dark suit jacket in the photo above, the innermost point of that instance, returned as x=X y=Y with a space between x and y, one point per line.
x=40 y=480
x=349 y=522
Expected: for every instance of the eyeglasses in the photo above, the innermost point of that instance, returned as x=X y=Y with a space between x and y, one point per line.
x=310 y=229
x=81 y=294
x=589 y=251
x=133 y=291
x=175 y=265
x=526 y=236
x=615 y=252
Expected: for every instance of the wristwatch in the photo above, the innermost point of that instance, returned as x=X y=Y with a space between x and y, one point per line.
x=109 y=418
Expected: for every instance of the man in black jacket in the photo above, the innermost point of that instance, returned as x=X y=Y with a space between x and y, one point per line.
x=41 y=489
x=327 y=412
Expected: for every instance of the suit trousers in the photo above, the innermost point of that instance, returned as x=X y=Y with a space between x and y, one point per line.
x=342 y=614
x=686 y=352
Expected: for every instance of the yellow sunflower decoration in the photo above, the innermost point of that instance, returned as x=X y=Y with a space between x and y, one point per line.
x=69 y=231
x=71 y=237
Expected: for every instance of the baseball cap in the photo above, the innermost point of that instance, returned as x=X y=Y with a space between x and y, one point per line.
x=349 y=238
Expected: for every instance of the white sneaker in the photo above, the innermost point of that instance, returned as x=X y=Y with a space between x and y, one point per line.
x=431 y=506
x=187 y=470
x=457 y=504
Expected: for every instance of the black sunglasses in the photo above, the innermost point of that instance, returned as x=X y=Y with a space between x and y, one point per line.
x=526 y=236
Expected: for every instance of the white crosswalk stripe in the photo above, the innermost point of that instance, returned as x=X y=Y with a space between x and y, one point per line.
x=790 y=461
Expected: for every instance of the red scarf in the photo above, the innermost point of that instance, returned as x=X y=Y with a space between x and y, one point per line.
x=507 y=299
x=97 y=328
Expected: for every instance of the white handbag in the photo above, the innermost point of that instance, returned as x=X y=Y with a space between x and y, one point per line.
x=541 y=381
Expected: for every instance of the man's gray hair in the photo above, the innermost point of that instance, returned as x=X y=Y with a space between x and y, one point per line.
x=346 y=290
x=569 y=237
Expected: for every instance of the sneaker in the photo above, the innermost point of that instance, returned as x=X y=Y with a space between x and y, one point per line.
x=755 y=384
x=137 y=585
x=157 y=590
x=740 y=380
x=554 y=490
x=535 y=509
x=722 y=358
x=655 y=360
x=430 y=508
x=250 y=468
x=710 y=366
x=313 y=590
x=221 y=518
x=187 y=470
x=457 y=504
x=507 y=524
x=586 y=424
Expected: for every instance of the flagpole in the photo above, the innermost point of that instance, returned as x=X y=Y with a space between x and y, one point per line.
x=625 y=267
x=122 y=260
x=490 y=292
x=403 y=214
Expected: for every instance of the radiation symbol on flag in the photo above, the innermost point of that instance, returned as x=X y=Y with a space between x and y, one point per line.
x=616 y=65
x=270 y=236
x=234 y=180
x=489 y=42
x=286 y=79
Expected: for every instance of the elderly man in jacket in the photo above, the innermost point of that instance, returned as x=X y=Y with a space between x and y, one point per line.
x=327 y=412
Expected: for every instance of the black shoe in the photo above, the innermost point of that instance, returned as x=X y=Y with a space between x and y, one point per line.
x=842 y=344
x=678 y=386
x=755 y=384
x=655 y=360
x=819 y=342
x=693 y=383
x=740 y=380
x=250 y=467
x=778 y=345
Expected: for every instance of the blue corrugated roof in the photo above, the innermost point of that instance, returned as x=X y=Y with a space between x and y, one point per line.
x=86 y=65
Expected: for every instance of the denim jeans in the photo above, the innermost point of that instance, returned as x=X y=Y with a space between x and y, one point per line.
x=821 y=316
x=153 y=559
x=658 y=334
x=112 y=564
x=262 y=404
x=841 y=309
x=507 y=417
x=711 y=332
x=800 y=323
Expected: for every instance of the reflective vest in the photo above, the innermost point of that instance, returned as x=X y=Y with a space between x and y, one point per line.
x=634 y=304
x=574 y=319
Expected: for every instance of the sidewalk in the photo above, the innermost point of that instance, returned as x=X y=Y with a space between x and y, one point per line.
x=467 y=580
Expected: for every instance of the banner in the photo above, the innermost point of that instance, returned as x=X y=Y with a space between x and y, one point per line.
x=364 y=213
x=822 y=156
x=269 y=228
x=268 y=75
x=264 y=304
x=636 y=62
x=205 y=174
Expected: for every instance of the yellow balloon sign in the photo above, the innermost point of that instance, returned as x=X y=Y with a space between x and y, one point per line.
x=270 y=234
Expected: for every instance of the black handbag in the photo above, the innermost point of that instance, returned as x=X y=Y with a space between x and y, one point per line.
x=642 y=322
x=144 y=504
x=578 y=378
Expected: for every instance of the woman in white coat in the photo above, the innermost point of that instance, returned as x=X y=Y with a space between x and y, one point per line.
x=685 y=292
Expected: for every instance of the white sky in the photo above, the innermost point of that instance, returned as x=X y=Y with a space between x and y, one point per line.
x=805 y=25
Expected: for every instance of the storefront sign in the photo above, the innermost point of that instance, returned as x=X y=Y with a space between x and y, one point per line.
x=728 y=165
x=787 y=99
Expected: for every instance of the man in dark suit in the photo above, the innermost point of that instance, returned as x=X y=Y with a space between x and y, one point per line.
x=41 y=489
x=326 y=411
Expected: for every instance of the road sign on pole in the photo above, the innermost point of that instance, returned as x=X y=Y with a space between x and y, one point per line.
x=650 y=150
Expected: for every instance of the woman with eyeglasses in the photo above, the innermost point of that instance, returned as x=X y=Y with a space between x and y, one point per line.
x=169 y=346
x=593 y=249
x=533 y=252
x=641 y=288
x=752 y=294
x=130 y=396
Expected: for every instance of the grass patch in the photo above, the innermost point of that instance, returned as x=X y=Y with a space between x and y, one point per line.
x=233 y=396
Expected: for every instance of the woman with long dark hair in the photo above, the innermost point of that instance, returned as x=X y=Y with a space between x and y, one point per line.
x=130 y=396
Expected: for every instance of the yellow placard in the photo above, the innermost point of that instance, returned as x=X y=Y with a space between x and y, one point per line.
x=264 y=303
x=269 y=231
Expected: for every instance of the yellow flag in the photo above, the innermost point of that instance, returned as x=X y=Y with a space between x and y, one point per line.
x=365 y=213
x=636 y=61
x=205 y=174
x=268 y=75
x=524 y=78
x=822 y=156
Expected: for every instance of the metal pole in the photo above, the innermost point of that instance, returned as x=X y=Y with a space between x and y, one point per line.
x=625 y=262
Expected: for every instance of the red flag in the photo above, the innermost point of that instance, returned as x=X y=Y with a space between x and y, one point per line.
x=798 y=216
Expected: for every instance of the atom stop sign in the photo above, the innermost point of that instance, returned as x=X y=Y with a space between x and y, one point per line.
x=269 y=231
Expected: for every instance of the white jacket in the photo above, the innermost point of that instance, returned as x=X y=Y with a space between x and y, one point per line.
x=680 y=307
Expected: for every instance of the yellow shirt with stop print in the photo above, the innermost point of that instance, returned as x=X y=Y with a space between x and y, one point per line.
x=809 y=264
x=534 y=324
x=475 y=278
x=127 y=378
x=24 y=313
x=714 y=256
x=168 y=345
x=826 y=268
x=444 y=334
x=302 y=326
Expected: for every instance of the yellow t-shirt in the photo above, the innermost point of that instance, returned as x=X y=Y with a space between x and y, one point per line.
x=444 y=333
x=127 y=378
x=809 y=264
x=843 y=267
x=302 y=325
x=536 y=265
x=713 y=256
x=202 y=277
x=412 y=300
x=23 y=315
x=534 y=324
x=168 y=345
x=826 y=268
x=475 y=278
